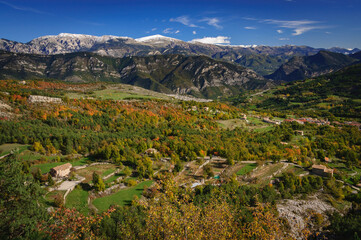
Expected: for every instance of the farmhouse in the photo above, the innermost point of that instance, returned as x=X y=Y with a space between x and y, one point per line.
x=322 y=170
x=151 y=151
x=61 y=171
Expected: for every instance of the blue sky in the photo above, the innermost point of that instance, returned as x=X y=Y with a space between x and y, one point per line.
x=316 y=23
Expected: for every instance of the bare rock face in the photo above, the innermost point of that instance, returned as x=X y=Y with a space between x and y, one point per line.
x=298 y=213
x=43 y=99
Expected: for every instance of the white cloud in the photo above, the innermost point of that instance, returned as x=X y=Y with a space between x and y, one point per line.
x=299 y=27
x=154 y=29
x=213 y=40
x=279 y=31
x=212 y=22
x=183 y=20
x=194 y=32
x=250 y=28
x=170 y=31
x=284 y=39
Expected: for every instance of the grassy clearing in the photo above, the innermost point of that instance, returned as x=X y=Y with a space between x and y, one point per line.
x=78 y=198
x=120 y=92
x=50 y=196
x=107 y=172
x=232 y=123
x=100 y=169
x=123 y=197
x=7 y=148
x=113 y=178
x=246 y=169
x=45 y=167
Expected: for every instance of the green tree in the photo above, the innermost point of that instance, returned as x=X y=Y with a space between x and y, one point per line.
x=98 y=182
x=50 y=180
x=127 y=171
x=20 y=206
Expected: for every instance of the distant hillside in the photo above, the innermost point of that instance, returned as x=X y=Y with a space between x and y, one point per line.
x=357 y=55
x=337 y=94
x=195 y=75
x=298 y=68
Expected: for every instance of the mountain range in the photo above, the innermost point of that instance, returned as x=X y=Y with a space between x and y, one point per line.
x=166 y=64
x=301 y=67
x=262 y=59
x=199 y=76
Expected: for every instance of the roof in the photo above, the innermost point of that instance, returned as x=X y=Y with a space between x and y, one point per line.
x=62 y=167
x=323 y=167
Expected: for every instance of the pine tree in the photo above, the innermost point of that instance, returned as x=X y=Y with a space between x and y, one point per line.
x=20 y=195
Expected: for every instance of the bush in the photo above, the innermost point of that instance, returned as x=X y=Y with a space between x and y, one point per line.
x=131 y=183
x=59 y=200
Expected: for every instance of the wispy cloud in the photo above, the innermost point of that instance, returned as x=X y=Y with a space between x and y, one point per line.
x=299 y=26
x=185 y=20
x=213 y=40
x=212 y=22
x=283 y=39
x=170 y=31
x=250 y=28
x=21 y=8
x=194 y=32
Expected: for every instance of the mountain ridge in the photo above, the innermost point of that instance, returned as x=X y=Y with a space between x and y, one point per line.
x=115 y=46
x=199 y=76
x=302 y=67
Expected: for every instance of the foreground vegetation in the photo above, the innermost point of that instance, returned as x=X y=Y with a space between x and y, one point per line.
x=189 y=138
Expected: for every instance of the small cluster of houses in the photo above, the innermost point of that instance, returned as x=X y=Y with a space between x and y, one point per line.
x=267 y=120
x=309 y=120
x=323 y=122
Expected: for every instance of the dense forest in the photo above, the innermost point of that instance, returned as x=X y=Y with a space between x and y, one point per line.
x=120 y=132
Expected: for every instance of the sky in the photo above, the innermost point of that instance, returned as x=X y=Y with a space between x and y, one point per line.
x=316 y=23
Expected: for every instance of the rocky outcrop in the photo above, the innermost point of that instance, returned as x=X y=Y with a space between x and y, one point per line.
x=43 y=99
x=298 y=213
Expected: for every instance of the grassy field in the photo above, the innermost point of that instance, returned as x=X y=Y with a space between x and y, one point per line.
x=120 y=92
x=45 y=167
x=49 y=198
x=232 y=123
x=78 y=198
x=246 y=169
x=123 y=197
x=7 y=148
x=100 y=169
x=113 y=178
x=108 y=171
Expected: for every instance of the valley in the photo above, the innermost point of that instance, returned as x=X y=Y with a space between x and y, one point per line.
x=112 y=137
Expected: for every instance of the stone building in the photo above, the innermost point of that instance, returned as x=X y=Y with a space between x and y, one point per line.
x=61 y=171
x=322 y=170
